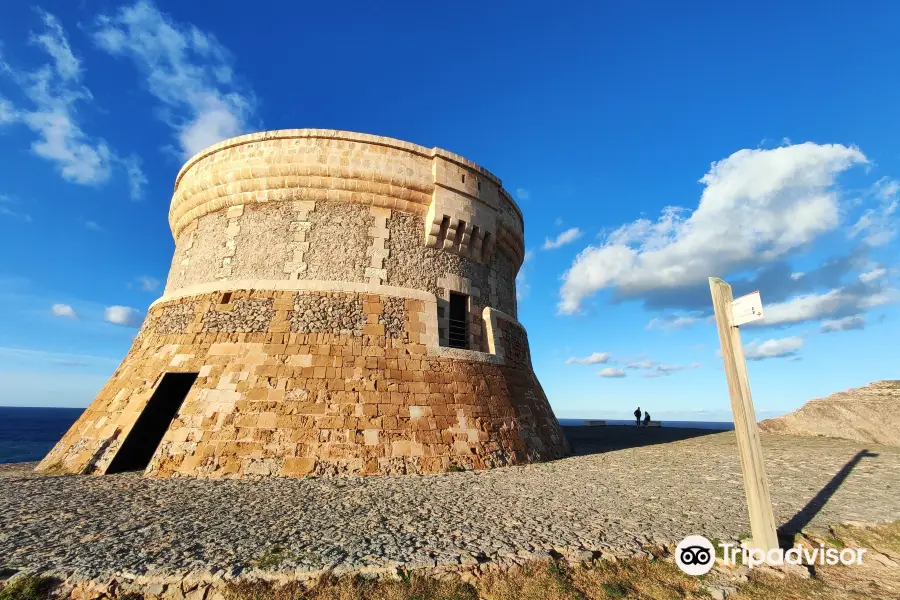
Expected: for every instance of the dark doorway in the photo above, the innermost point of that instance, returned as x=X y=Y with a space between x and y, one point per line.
x=151 y=425
x=458 y=333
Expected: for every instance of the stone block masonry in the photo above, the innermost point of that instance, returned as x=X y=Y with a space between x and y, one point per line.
x=304 y=383
x=309 y=294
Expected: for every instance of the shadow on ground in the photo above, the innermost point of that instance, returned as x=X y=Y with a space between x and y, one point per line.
x=788 y=531
x=606 y=438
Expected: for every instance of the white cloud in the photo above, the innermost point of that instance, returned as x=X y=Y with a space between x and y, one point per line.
x=558 y=222
x=757 y=206
x=654 y=374
x=594 y=359
x=147 y=284
x=566 y=237
x=6 y=211
x=642 y=364
x=8 y=112
x=57 y=46
x=675 y=368
x=522 y=286
x=877 y=226
x=122 y=315
x=845 y=324
x=137 y=181
x=810 y=307
x=876 y=273
x=56 y=92
x=611 y=372
x=672 y=322
x=522 y=194
x=63 y=310
x=92 y=225
x=775 y=348
x=51 y=357
x=187 y=70
x=654 y=369
x=796 y=276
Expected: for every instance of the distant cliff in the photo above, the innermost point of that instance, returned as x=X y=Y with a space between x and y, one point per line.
x=866 y=414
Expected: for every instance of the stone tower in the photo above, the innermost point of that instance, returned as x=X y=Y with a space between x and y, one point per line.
x=338 y=303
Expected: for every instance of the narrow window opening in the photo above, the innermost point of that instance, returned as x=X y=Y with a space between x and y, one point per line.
x=458 y=328
x=442 y=232
x=460 y=231
x=463 y=176
x=226 y=298
x=486 y=245
x=479 y=184
x=139 y=446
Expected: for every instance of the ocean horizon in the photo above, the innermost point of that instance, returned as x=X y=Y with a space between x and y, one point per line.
x=716 y=425
x=27 y=433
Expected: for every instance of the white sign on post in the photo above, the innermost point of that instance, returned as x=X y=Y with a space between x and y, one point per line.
x=756 y=486
x=746 y=309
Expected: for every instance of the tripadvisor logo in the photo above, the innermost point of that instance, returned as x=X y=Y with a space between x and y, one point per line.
x=696 y=555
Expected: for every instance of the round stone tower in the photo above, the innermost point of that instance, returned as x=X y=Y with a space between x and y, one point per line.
x=338 y=303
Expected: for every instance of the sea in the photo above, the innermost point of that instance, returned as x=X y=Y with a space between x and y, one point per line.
x=27 y=434
x=714 y=425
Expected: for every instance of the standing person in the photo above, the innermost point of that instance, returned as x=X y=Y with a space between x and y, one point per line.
x=646 y=419
x=637 y=416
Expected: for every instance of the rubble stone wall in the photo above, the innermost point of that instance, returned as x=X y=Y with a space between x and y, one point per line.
x=304 y=204
x=327 y=399
x=340 y=247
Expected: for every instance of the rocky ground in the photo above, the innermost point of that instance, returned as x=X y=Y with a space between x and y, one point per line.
x=866 y=414
x=618 y=502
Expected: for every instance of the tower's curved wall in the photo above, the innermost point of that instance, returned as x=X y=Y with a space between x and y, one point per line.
x=309 y=290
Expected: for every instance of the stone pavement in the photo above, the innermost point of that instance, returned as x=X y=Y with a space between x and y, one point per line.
x=615 y=502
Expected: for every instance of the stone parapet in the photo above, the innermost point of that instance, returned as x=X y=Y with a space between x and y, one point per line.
x=322 y=165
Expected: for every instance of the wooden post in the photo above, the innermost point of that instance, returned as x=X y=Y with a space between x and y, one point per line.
x=756 y=487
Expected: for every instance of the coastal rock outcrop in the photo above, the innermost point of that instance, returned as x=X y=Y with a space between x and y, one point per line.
x=866 y=414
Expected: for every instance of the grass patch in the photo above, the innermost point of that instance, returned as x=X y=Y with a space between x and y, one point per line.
x=883 y=538
x=720 y=551
x=548 y=580
x=456 y=469
x=765 y=587
x=636 y=578
x=413 y=587
x=29 y=587
x=272 y=559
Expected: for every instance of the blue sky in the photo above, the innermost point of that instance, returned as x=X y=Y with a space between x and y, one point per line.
x=649 y=145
